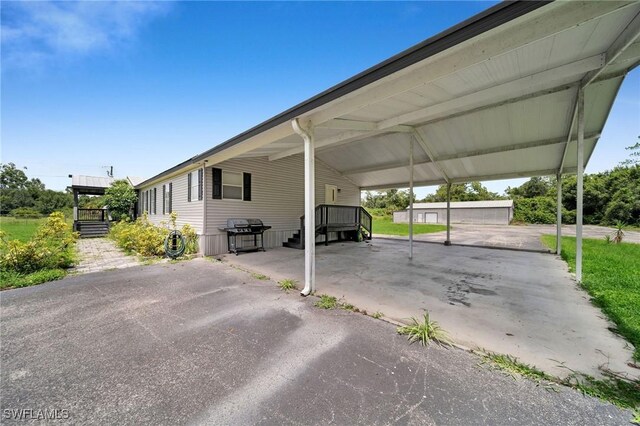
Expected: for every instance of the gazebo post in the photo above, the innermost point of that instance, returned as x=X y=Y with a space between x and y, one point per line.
x=75 y=208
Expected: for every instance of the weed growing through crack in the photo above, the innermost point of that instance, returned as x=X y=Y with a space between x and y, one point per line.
x=287 y=284
x=349 y=307
x=424 y=331
x=377 y=315
x=510 y=365
x=260 y=277
x=326 y=302
x=623 y=393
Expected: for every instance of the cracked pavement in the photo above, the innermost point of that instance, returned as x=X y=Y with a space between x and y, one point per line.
x=202 y=343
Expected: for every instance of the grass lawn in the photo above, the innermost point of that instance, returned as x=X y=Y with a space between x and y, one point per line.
x=384 y=225
x=19 y=229
x=611 y=275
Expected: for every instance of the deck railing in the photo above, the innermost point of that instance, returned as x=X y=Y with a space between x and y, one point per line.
x=92 y=215
x=328 y=215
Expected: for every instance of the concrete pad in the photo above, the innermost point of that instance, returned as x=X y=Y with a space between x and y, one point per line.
x=519 y=303
x=197 y=342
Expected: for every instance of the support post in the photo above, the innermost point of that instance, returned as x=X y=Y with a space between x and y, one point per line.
x=448 y=240
x=75 y=208
x=309 y=208
x=559 y=214
x=579 y=184
x=411 y=198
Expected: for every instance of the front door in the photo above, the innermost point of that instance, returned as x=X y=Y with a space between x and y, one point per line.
x=330 y=194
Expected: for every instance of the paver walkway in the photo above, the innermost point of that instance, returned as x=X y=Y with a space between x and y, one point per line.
x=100 y=254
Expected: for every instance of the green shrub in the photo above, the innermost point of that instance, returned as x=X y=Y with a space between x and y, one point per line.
x=539 y=210
x=191 y=239
x=139 y=237
x=52 y=246
x=120 y=197
x=11 y=279
x=25 y=213
x=146 y=239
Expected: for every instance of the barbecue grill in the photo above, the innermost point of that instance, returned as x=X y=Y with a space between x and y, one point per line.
x=244 y=228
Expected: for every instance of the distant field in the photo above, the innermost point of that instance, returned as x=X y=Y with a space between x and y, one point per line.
x=19 y=229
x=384 y=225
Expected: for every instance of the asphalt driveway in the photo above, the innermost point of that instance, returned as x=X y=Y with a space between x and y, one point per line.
x=198 y=342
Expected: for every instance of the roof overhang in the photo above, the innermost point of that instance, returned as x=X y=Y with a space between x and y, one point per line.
x=491 y=98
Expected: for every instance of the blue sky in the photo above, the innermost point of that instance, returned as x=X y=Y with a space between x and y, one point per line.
x=142 y=86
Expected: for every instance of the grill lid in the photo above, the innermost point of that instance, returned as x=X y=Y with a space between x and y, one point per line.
x=243 y=223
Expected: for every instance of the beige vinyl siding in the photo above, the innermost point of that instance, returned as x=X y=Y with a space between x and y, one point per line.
x=277 y=197
x=190 y=212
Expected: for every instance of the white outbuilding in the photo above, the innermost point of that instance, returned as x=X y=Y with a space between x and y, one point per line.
x=496 y=212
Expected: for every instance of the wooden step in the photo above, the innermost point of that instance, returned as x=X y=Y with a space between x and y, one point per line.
x=92 y=229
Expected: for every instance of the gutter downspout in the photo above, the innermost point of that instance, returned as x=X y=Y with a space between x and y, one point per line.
x=309 y=208
x=411 y=198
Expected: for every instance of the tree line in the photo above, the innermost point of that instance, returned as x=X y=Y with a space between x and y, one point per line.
x=28 y=197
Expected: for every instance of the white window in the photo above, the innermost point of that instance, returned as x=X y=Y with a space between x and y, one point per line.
x=195 y=185
x=167 y=199
x=232 y=185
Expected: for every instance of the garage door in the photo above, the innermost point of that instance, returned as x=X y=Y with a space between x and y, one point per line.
x=431 y=218
x=427 y=218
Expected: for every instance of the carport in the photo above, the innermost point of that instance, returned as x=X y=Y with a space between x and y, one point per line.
x=522 y=89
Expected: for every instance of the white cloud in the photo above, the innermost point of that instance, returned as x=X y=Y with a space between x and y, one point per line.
x=35 y=31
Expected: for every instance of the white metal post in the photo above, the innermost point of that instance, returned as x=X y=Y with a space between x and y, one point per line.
x=559 y=214
x=579 y=184
x=310 y=213
x=309 y=208
x=411 y=198
x=448 y=240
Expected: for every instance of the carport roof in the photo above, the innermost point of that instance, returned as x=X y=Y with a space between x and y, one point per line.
x=491 y=98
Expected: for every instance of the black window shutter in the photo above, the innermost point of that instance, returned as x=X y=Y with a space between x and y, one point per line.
x=217 y=184
x=246 y=185
x=155 y=200
x=200 y=178
x=170 y=197
x=189 y=186
x=164 y=199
